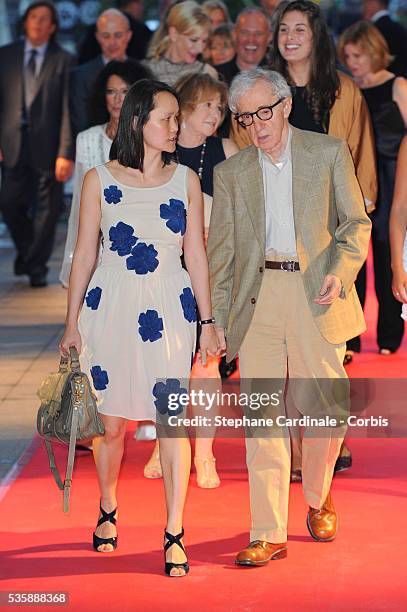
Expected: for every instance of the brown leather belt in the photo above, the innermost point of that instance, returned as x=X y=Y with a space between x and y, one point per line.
x=287 y=266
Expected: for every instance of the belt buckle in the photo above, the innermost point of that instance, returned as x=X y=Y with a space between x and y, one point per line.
x=288 y=266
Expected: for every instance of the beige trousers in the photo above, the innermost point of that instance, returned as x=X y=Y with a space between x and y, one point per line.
x=283 y=339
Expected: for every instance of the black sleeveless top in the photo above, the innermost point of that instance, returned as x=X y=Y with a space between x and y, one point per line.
x=301 y=116
x=388 y=124
x=214 y=154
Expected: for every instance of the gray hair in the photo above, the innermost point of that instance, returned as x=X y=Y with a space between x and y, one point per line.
x=115 y=13
x=253 y=10
x=247 y=79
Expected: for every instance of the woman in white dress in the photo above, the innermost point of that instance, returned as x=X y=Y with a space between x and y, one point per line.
x=398 y=229
x=93 y=145
x=136 y=330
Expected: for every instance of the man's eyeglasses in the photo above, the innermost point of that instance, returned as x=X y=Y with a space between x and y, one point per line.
x=264 y=113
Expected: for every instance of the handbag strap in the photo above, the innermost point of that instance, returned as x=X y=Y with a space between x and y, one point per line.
x=71 y=456
x=66 y=485
x=52 y=464
x=73 y=360
x=74 y=357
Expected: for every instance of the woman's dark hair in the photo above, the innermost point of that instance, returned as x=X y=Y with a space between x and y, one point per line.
x=129 y=71
x=128 y=146
x=41 y=3
x=324 y=83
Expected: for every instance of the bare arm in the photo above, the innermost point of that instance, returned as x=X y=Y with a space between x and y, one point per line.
x=400 y=96
x=84 y=259
x=398 y=226
x=197 y=263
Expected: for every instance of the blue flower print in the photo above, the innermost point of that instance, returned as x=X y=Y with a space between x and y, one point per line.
x=112 y=194
x=93 y=298
x=122 y=239
x=151 y=326
x=176 y=215
x=188 y=304
x=99 y=377
x=163 y=402
x=143 y=258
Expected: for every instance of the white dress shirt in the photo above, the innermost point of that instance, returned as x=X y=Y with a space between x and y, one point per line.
x=278 y=199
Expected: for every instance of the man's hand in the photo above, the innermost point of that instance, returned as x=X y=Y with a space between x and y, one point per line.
x=330 y=290
x=1 y=155
x=220 y=332
x=63 y=169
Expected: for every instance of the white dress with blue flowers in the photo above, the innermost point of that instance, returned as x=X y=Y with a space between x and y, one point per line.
x=138 y=320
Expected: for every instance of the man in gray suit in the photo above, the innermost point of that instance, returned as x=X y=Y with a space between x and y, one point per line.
x=113 y=35
x=35 y=139
x=288 y=235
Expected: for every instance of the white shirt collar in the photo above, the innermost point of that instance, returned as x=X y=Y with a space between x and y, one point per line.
x=28 y=47
x=379 y=14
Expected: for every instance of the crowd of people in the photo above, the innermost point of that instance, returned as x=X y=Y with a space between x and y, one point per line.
x=259 y=147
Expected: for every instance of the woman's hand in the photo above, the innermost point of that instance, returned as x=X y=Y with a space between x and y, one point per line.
x=71 y=337
x=208 y=343
x=399 y=285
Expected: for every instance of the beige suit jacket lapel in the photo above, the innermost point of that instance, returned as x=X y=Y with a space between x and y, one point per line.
x=251 y=188
x=303 y=162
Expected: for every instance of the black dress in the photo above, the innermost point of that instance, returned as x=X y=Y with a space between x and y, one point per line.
x=389 y=129
x=301 y=116
x=214 y=154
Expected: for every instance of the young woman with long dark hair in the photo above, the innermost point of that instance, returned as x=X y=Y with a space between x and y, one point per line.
x=137 y=314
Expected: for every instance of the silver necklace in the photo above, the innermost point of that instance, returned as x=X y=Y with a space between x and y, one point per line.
x=201 y=161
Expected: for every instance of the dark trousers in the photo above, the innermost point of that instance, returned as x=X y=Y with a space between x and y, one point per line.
x=390 y=326
x=31 y=202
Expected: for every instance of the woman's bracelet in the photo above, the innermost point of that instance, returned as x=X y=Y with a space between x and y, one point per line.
x=208 y=321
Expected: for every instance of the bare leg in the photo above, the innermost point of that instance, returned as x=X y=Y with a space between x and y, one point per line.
x=108 y=454
x=152 y=468
x=208 y=379
x=175 y=455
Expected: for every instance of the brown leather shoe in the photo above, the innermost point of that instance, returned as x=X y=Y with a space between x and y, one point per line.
x=322 y=524
x=260 y=552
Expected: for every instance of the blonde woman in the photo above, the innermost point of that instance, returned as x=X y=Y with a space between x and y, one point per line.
x=178 y=43
x=217 y=12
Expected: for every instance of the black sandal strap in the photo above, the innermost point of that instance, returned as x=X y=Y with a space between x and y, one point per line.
x=107 y=517
x=174 y=539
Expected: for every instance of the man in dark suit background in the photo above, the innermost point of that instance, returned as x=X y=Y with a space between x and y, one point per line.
x=35 y=139
x=377 y=12
x=113 y=35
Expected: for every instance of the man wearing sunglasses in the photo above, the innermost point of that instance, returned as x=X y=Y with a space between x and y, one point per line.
x=288 y=235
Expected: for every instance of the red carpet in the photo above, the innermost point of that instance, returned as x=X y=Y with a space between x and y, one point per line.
x=364 y=568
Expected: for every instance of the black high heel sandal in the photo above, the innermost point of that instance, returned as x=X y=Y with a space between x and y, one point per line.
x=97 y=541
x=168 y=565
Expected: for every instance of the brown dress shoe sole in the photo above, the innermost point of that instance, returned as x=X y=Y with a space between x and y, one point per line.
x=278 y=554
x=316 y=538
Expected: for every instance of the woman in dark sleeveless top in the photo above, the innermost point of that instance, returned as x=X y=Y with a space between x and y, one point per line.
x=202 y=101
x=366 y=54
